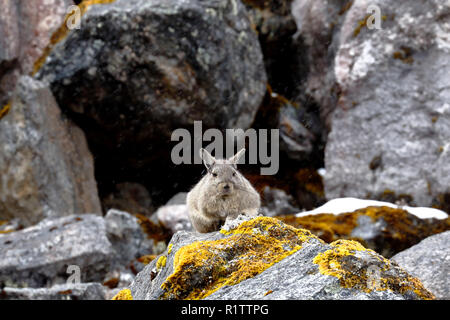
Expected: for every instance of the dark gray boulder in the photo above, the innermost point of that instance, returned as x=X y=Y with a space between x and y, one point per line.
x=137 y=70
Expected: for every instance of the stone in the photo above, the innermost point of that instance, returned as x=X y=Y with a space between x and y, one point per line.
x=126 y=69
x=55 y=250
x=77 y=291
x=25 y=30
x=263 y=258
x=429 y=261
x=125 y=235
x=277 y=202
x=391 y=125
x=174 y=217
x=46 y=168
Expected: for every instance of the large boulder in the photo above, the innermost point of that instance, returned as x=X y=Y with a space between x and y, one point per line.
x=429 y=261
x=137 y=70
x=42 y=255
x=263 y=258
x=391 y=127
x=46 y=168
x=25 y=31
x=74 y=249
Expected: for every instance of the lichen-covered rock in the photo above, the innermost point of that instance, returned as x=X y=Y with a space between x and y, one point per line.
x=72 y=291
x=429 y=261
x=137 y=70
x=391 y=128
x=263 y=258
x=39 y=256
x=25 y=30
x=46 y=168
x=383 y=229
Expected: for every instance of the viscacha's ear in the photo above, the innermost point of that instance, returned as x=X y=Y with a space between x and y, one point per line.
x=208 y=159
x=235 y=159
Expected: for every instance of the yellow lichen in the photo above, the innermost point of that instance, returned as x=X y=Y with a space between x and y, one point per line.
x=161 y=263
x=338 y=262
x=169 y=248
x=203 y=267
x=4 y=111
x=124 y=294
x=63 y=31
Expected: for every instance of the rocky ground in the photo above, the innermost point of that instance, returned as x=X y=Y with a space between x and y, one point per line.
x=92 y=207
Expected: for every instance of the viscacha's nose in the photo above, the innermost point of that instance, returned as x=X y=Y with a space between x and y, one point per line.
x=226 y=187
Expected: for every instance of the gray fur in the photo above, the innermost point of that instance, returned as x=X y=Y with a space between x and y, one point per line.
x=222 y=194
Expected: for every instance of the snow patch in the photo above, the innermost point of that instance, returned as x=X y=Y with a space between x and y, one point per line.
x=341 y=205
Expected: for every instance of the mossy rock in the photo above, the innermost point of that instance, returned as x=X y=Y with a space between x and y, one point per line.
x=383 y=229
x=264 y=258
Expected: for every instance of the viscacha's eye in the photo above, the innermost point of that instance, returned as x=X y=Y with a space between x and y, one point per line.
x=214 y=174
x=234 y=174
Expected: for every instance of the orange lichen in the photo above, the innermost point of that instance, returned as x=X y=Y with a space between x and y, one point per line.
x=203 y=267
x=63 y=31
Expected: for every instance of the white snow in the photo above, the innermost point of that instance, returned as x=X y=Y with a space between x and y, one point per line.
x=341 y=205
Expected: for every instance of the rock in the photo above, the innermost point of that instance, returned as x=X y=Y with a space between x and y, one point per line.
x=264 y=258
x=283 y=54
x=429 y=261
x=40 y=256
x=78 y=291
x=391 y=127
x=130 y=197
x=125 y=235
x=126 y=69
x=25 y=30
x=383 y=229
x=318 y=28
x=46 y=168
x=174 y=217
x=179 y=198
x=277 y=202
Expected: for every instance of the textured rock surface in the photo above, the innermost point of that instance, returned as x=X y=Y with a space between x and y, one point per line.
x=264 y=258
x=383 y=229
x=390 y=130
x=46 y=168
x=39 y=256
x=25 y=30
x=429 y=261
x=79 y=291
x=174 y=217
x=164 y=63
